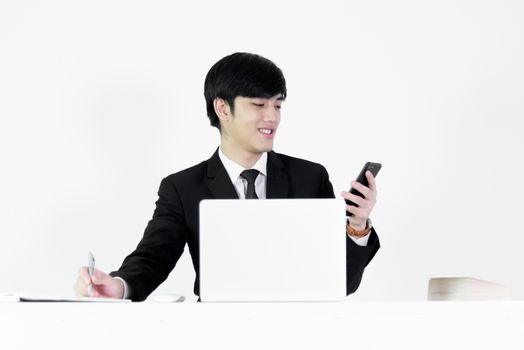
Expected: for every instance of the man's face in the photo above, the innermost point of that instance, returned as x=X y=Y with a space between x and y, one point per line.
x=254 y=123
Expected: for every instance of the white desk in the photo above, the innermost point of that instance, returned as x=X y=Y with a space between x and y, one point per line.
x=347 y=325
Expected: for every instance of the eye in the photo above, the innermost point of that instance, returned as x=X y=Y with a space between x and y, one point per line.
x=259 y=104
x=278 y=106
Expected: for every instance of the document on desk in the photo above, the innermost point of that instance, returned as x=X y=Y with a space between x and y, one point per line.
x=13 y=298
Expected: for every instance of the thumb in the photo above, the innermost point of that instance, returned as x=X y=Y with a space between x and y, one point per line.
x=100 y=277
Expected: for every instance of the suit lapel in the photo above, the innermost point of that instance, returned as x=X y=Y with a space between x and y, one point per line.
x=277 y=185
x=219 y=182
x=220 y=185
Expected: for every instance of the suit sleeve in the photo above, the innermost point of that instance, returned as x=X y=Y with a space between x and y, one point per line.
x=357 y=257
x=160 y=248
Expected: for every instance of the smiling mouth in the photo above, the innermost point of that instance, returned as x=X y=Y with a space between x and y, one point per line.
x=266 y=131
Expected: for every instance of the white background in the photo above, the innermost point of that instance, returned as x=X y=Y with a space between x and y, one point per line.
x=100 y=100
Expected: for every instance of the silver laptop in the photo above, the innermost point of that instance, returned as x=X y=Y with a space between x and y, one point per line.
x=272 y=250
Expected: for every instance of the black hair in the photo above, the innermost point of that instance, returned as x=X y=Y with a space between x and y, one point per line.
x=242 y=74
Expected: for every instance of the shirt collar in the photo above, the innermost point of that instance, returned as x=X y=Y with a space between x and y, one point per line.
x=233 y=169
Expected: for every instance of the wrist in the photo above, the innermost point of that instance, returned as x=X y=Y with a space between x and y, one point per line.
x=357 y=224
x=358 y=227
x=360 y=230
x=121 y=290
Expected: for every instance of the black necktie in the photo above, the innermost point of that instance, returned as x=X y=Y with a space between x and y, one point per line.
x=250 y=175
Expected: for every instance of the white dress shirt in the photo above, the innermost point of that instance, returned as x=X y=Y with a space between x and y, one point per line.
x=234 y=170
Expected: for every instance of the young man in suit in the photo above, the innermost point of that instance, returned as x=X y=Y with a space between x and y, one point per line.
x=244 y=93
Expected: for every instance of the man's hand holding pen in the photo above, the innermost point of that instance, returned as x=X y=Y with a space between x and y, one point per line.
x=103 y=285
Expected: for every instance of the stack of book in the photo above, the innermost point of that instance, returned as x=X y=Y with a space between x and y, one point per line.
x=466 y=288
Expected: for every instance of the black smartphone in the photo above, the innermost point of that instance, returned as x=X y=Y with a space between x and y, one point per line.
x=374 y=168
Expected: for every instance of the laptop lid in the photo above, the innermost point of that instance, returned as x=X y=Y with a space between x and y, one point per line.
x=272 y=250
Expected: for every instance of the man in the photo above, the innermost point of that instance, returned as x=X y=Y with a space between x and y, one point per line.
x=244 y=93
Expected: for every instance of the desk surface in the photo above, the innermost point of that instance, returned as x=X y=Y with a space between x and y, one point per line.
x=344 y=325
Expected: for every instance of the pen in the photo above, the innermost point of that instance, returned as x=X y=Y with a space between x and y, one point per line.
x=90 y=268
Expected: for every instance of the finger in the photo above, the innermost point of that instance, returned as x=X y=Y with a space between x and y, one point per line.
x=353 y=197
x=82 y=273
x=81 y=286
x=371 y=181
x=351 y=208
x=366 y=192
x=99 y=292
x=95 y=293
x=356 y=211
x=80 y=282
x=81 y=292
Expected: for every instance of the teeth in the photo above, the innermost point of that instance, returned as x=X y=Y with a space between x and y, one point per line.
x=265 y=131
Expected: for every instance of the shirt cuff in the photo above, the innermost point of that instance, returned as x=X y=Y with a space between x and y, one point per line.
x=362 y=241
x=127 y=290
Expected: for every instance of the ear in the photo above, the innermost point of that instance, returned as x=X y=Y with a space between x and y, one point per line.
x=222 y=109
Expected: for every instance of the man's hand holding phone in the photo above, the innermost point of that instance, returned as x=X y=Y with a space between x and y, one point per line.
x=365 y=203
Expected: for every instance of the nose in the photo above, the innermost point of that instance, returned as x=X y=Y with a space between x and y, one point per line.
x=272 y=115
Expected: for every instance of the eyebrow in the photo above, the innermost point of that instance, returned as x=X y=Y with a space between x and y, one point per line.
x=280 y=98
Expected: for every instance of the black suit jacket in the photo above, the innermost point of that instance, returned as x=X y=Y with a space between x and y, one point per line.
x=176 y=218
